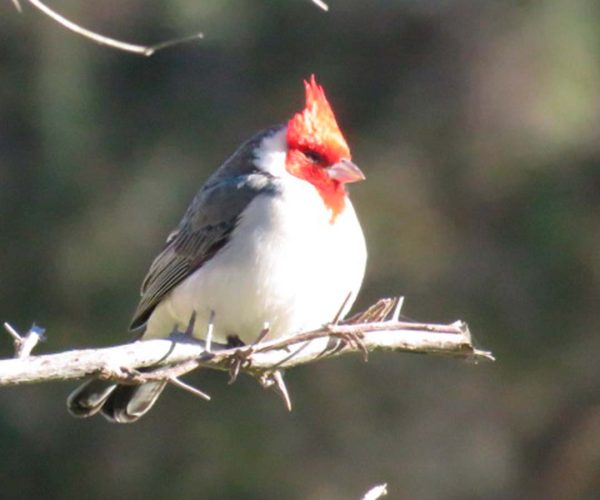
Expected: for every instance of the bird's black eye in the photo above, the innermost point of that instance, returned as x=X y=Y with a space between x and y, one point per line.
x=314 y=157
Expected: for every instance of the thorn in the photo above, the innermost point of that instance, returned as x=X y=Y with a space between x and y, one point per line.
x=209 y=331
x=385 y=309
x=187 y=387
x=397 y=309
x=14 y=333
x=263 y=333
x=234 y=370
x=484 y=354
x=338 y=316
x=280 y=388
x=24 y=344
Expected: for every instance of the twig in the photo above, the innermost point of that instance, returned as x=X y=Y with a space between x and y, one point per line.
x=24 y=344
x=209 y=330
x=397 y=309
x=321 y=4
x=376 y=492
x=187 y=387
x=143 y=50
x=263 y=333
x=338 y=315
x=17 y=5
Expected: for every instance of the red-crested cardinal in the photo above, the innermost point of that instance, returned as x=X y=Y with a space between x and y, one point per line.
x=271 y=238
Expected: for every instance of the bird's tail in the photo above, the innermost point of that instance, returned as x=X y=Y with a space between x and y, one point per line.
x=122 y=404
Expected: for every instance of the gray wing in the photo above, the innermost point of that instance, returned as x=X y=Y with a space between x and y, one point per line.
x=203 y=231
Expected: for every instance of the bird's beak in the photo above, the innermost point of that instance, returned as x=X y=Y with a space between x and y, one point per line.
x=345 y=171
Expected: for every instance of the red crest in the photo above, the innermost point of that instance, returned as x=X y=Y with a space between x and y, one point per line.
x=315 y=127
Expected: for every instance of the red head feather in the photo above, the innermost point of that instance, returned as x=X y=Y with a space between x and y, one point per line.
x=315 y=127
x=315 y=143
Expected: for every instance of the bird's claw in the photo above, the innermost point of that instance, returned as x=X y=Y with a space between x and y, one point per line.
x=239 y=359
x=355 y=341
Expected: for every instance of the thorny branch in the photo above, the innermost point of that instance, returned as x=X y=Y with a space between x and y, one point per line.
x=377 y=328
x=144 y=50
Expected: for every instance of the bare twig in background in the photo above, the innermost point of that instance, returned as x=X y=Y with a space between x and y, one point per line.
x=144 y=50
x=376 y=492
x=321 y=4
x=104 y=40
x=177 y=355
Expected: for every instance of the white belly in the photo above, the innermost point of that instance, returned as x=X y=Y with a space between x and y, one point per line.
x=292 y=269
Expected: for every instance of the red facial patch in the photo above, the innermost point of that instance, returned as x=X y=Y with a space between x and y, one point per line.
x=332 y=191
x=314 y=131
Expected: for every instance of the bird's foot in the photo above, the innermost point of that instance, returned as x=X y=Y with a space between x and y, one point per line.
x=238 y=360
x=241 y=357
x=354 y=341
x=189 y=331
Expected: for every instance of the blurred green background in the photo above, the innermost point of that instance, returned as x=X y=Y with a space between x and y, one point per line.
x=477 y=124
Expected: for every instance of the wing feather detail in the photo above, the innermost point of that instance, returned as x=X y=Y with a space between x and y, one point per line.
x=204 y=230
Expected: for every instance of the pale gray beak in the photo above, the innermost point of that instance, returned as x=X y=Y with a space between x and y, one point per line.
x=345 y=171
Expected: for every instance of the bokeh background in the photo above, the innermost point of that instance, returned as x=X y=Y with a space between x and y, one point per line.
x=477 y=124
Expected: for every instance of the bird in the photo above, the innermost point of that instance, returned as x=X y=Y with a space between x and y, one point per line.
x=270 y=238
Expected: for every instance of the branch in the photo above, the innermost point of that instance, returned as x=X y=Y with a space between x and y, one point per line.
x=145 y=50
x=321 y=4
x=376 y=492
x=24 y=344
x=376 y=329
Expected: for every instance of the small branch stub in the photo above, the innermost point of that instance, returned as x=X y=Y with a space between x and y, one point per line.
x=24 y=344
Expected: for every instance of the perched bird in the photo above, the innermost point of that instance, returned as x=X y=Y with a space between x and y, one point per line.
x=272 y=237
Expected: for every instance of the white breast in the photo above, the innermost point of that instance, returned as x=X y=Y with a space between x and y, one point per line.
x=286 y=264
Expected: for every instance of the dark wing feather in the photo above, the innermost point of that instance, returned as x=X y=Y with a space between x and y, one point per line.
x=203 y=231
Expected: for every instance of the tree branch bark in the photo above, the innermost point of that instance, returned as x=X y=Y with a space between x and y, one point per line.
x=372 y=330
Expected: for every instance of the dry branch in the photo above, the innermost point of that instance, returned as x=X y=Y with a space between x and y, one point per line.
x=375 y=329
x=321 y=4
x=144 y=50
x=376 y=492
